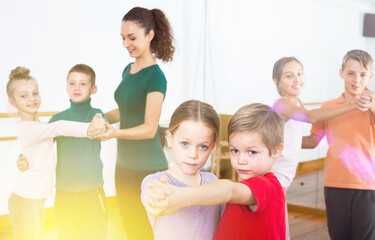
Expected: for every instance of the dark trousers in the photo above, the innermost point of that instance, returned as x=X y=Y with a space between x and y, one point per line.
x=81 y=215
x=350 y=213
x=128 y=194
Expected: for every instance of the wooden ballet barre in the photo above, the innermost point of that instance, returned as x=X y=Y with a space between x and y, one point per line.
x=312 y=103
x=11 y=115
x=7 y=138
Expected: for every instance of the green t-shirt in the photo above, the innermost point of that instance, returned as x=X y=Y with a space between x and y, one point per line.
x=79 y=167
x=130 y=96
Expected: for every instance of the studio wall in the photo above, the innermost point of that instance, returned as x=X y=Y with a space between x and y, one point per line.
x=225 y=51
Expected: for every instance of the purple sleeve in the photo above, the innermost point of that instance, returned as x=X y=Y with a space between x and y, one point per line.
x=145 y=182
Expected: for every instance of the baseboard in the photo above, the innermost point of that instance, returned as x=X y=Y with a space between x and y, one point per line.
x=307 y=210
x=307 y=167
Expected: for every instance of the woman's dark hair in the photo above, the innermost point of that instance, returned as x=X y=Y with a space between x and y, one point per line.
x=161 y=44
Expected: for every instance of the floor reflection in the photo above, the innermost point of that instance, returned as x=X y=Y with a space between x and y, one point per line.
x=307 y=190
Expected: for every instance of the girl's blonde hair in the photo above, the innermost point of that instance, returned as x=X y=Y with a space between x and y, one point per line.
x=278 y=70
x=17 y=74
x=194 y=110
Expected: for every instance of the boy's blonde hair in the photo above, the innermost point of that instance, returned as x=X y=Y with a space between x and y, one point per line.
x=194 y=110
x=261 y=119
x=360 y=56
x=17 y=74
x=83 y=68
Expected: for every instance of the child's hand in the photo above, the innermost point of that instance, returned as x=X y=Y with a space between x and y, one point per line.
x=162 y=198
x=110 y=133
x=22 y=164
x=365 y=101
x=97 y=126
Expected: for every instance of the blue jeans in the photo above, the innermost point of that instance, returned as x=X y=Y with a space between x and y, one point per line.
x=27 y=217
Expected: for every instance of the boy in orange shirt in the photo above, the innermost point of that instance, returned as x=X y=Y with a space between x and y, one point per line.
x=349 y=171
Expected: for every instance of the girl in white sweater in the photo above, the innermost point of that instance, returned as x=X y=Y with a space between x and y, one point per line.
x=289 y=78
x=26 y=203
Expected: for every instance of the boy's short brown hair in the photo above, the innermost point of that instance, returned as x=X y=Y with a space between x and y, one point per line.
x=360 y=56
x=261 y=119
x=83 y=68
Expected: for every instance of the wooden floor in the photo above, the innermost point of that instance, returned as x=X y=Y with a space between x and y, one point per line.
x=307 y=226
x=302 y=227
x=115 y=229
x=306 y=190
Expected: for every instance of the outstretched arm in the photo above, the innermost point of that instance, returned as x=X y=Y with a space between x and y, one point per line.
x=289 y=110
x=148 y=129
x=164 y=199
x=113 y=116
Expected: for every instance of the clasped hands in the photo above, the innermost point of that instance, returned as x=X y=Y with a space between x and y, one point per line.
x=100 y=129
x=366 y=100
x=162 y=198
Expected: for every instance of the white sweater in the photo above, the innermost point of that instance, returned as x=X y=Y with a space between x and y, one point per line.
x=285 y=166
x=36 y=140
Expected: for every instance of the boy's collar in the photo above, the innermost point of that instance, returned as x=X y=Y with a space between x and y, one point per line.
x=82 y=106
x=341 y=99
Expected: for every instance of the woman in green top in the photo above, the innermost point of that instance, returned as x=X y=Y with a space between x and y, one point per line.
x=146 y=35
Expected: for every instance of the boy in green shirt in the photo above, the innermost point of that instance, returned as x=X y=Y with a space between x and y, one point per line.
x=80 y=203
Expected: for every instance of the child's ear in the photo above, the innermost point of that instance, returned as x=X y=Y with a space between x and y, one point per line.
x=275 y=81
x=168 y=137
x=94 y=89
x=371 y=75
x=277 y=151
x=11 y=101
x=341 y=72
x=214 y=147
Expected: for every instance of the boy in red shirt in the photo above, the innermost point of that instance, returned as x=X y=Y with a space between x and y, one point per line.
x=255 y=206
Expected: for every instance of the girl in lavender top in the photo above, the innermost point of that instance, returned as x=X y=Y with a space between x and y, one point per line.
x=192 y=136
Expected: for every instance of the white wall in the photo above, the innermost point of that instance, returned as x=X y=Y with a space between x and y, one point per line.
x=242 y=40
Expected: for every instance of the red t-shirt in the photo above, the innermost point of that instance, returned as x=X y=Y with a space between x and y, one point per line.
x=266 y=222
